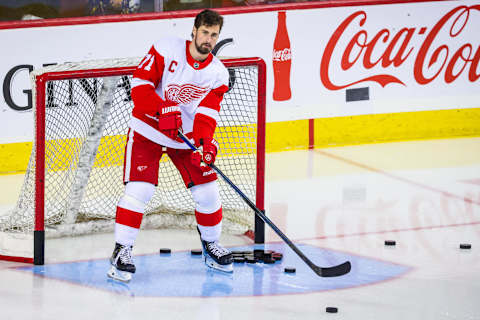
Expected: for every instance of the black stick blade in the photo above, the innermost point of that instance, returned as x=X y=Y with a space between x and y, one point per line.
x=335 y=271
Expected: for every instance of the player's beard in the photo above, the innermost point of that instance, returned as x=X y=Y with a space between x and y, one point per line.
x=203 y=48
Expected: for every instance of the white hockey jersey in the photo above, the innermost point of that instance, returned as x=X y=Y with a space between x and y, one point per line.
x=169 y=71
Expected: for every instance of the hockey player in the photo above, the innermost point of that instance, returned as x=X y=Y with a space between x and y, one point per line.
x=178 y=85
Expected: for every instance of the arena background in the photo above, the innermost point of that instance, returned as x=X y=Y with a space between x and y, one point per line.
x=361 y=71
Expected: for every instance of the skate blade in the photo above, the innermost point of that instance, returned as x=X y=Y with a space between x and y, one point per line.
x=220 y=267
x=116 y=274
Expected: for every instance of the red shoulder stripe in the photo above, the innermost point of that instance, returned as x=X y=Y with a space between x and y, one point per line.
x=151 y=67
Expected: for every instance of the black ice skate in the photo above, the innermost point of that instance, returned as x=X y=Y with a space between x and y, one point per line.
x=216 y=256
x=122 y=263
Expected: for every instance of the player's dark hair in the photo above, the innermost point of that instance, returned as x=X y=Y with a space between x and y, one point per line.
x=208 y=18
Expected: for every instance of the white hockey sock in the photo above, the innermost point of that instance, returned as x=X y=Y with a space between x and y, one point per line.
x=130 y=210
x=208 y=210
x=211 y=233
x=125 y=235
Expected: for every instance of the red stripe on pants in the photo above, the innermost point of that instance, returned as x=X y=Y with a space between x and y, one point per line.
x=209 y=219
x=129 y=218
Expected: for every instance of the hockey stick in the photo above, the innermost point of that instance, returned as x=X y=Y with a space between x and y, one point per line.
x=335 y=271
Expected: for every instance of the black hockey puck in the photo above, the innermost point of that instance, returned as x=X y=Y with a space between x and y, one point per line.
x=290 y=270
x=267 y=256
x=251 y=260
x=390 y=242
x=258 y=254
x=196 y=252
x=331 y=309
x=239 y=259
x=465 y=246
x=165 y=250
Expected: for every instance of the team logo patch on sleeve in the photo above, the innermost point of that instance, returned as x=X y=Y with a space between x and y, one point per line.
x=184 y=94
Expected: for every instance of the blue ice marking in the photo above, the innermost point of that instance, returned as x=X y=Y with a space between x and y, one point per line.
x=181 y=274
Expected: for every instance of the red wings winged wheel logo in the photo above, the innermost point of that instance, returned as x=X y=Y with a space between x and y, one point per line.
x=184 y=94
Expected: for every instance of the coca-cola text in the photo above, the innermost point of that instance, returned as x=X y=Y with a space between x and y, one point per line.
x=282 y=55
x=398 y=48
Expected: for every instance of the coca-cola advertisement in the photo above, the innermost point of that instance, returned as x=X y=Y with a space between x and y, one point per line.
x=427 y=52
x=406 y=57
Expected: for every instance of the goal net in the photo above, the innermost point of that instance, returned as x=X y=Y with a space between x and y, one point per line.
x=74 y=176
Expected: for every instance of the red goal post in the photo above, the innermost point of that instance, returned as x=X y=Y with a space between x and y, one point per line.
x=74 y=176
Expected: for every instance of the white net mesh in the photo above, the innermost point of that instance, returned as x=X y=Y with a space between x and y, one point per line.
x=85 y=134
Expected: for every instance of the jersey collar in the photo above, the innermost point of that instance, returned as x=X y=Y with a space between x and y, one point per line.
x=197 y=65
